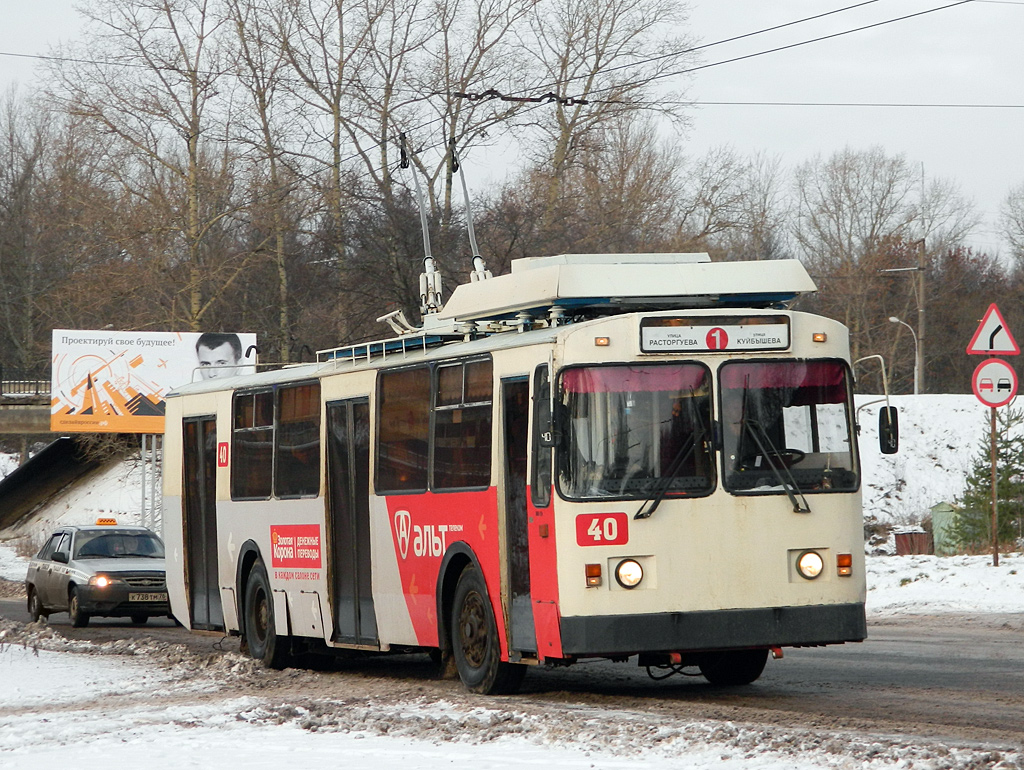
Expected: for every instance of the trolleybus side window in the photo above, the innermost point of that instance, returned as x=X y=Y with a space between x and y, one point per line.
x=403 y=430
x=635 y=432
x=297 y=443
x=787 y=423
x=252 y=449
x=462 y=426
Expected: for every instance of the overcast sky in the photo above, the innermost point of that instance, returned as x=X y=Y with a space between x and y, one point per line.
x=970 y=54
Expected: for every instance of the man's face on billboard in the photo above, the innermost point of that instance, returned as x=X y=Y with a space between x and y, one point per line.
x=217 y=362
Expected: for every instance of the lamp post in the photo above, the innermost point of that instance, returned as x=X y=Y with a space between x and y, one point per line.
x=917 y=353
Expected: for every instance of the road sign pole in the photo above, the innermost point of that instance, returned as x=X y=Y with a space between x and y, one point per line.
x=995 y=496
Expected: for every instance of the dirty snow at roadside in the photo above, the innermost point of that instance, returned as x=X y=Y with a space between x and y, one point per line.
x=99 y=724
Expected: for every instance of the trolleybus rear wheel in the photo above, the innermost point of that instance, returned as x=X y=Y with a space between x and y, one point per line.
x=733 y=667
x=260 y=630
x=475 y=643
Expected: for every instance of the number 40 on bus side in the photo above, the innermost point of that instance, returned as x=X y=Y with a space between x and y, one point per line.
x=602 y=529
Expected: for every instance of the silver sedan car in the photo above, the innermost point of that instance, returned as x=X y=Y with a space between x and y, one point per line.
x=101 y=569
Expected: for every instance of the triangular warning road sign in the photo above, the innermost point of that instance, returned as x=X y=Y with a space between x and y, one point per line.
x=993 y=337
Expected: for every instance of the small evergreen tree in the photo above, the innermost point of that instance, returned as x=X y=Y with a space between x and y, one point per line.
x=972 y=528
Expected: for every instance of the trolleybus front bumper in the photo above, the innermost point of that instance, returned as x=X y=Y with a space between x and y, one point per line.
x=713 y=630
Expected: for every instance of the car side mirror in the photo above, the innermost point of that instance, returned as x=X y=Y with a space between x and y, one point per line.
x=888 y=430
x=60 y=556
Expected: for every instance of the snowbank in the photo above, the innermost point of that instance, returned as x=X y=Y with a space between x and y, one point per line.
x=939 y=436
x=914 y=585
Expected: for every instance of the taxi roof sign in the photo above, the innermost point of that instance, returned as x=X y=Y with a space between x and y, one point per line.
x=993 y=337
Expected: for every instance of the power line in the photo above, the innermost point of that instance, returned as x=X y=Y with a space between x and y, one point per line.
x=787 y=47
x=733 y=39
x=933 y=105
x=588 y=99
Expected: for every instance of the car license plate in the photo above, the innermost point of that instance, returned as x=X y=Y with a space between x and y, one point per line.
x=147 y=597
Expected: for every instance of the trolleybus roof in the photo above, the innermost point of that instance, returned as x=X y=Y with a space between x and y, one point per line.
x=629 y=282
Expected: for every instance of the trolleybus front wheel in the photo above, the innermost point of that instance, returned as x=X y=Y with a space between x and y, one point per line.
x=260 y=631
x=475 y=643
x=733 y=667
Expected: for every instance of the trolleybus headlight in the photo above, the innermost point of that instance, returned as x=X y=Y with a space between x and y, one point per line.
x=629 y=573
x=809 y=564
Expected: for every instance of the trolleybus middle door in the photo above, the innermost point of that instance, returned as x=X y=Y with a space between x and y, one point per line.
x=515 y=405
x=348 y=489
x=199 y=442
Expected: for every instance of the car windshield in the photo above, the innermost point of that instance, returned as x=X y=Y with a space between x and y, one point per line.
x=786 y=427
x=634 y=432
x=118 y=545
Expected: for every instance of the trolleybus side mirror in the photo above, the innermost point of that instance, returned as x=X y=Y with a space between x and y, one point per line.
x=888 y=430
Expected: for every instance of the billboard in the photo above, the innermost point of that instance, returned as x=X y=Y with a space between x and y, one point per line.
x=115 y=382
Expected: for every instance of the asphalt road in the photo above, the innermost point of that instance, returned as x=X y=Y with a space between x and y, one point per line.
x=946 y=677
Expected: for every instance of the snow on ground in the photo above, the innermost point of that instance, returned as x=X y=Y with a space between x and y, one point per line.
x=96 y=727
x=112 y=491
x=939 y=437
x=40 y=678
x=12 y=566
x=8 y=463
x=927 y=585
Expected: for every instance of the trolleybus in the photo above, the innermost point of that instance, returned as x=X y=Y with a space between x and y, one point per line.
x=616 y=456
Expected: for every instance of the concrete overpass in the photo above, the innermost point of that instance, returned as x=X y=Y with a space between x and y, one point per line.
x=24 y=409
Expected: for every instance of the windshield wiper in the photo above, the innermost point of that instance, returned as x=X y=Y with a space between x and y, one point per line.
x=781 y=470
x=662 y=487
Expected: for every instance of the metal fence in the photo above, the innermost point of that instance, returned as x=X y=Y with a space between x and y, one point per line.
x=17 y=382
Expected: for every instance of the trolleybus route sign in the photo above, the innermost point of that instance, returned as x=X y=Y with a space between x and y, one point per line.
x=720 y=334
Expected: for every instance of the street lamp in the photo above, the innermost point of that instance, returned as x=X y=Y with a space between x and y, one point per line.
x=917 y=356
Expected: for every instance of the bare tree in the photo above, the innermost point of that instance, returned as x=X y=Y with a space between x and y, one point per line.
x=761 y=213
x=599 y=59
x=147 y=76
x=1011 y=217
x=945 y=217
x=474 y=51
x=266 y=128
x=847 y=207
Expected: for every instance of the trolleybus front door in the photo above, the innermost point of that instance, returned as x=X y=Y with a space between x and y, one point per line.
x=516 y=407
x=348 y=484
x=200 y=458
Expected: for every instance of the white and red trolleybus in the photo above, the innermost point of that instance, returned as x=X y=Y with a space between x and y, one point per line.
x=592 y=456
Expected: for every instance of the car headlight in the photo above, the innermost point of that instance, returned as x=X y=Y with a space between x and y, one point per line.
x=102 y=581
x=809 y=564
x=629 y=573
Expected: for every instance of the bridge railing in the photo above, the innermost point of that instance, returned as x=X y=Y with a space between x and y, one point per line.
x=16 y=382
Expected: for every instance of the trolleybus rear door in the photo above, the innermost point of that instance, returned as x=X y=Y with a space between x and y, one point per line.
x=515 y=404
x=348 y=489
x=200 y=458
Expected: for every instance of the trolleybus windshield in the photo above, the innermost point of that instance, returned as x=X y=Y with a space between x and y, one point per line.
x=633 y=432
x=787 y=423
